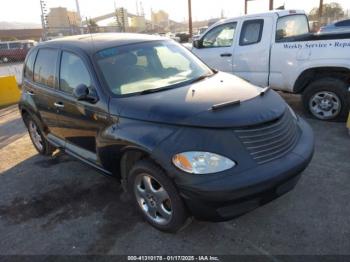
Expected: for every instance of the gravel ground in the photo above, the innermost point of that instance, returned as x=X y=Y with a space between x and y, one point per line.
x=61 y=206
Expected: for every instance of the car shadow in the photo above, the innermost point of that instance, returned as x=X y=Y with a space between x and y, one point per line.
x=68 y=197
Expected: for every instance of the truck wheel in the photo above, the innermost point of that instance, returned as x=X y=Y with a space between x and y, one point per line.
x=327 y=99
x=156 y=197
x=36 y=135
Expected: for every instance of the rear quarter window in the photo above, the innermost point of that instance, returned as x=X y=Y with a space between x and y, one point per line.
x=29 y=66
x=45 y=67
x=291 y=26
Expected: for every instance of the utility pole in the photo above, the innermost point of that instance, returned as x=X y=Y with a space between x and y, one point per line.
x=320 y=10
x=190 y=18
x=271 y=5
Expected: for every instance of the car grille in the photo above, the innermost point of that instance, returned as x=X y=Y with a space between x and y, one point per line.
x=271 y=140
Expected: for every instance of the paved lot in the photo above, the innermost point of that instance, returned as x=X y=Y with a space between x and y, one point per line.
x=61 y=206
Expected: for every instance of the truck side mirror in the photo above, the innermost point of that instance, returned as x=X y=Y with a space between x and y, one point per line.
x=197 y=43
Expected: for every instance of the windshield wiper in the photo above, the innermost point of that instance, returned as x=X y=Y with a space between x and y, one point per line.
x=154 y=90
x=201 y=77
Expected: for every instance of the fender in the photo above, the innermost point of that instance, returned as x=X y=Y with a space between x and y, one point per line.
x=128 y=135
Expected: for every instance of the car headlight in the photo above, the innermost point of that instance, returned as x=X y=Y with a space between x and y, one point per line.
x=292 y=112
x=197 y=162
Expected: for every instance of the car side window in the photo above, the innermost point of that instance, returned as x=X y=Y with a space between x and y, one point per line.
x=73 y=72
x=220 y=36
x=251 y=32
x=29 y=66
x=45 y=67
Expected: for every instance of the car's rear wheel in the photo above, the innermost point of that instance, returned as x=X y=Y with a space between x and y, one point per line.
x=156 y=197
x=327 y=99
x=38 y=139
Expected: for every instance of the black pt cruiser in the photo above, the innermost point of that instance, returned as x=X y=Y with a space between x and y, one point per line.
x=181 y=137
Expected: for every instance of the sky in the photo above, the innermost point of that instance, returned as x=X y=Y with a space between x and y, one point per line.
x=29 y=10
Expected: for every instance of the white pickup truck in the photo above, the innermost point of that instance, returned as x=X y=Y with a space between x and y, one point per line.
x=276 y=49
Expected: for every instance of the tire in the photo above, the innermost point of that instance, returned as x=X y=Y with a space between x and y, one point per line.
x=333 y=92
x=176 y=214
x=39 y=141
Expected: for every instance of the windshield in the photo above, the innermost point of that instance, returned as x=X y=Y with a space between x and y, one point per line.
x=152 y=65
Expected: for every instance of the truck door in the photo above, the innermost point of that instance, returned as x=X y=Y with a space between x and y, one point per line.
x=252 y=51
x=215 y=48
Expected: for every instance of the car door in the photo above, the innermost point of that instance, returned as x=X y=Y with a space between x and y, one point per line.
x=215 y=48
x=39 y=84
x=252 y=51
x=79 y=121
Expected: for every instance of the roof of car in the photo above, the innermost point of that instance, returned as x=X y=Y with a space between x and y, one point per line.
x=91 y=43
x=279 y=13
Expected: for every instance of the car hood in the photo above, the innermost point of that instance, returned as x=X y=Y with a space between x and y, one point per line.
x=191 y=105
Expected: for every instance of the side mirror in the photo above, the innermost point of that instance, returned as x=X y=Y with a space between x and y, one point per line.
x=197 y=43
x=83 y=93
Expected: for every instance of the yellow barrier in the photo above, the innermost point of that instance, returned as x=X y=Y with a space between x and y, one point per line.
x=9 y=91
x=348 y=123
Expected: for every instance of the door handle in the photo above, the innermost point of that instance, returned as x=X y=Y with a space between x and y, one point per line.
x=58 y=104
x=226 y=55
x=30 y=92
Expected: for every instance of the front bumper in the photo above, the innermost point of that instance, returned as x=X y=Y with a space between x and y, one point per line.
x=233 y=195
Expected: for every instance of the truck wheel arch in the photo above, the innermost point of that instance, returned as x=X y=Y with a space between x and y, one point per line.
x=311 y=74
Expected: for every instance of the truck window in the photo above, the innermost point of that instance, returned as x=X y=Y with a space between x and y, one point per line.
x=251 y=32
x=291 y=26
x=220 y=36
x=45 y=67
x=73 y=72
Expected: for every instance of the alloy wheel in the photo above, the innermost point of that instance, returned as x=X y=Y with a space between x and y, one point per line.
x=153 y=199
x=35 y=135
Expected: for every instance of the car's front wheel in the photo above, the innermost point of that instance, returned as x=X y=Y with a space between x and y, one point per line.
x=156 y=197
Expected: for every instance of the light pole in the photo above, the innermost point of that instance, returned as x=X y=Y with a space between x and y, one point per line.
x=43 y=18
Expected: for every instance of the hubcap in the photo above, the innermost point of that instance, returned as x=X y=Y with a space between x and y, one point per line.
x=152 y=198
x=35 y=135
x=325 y=105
